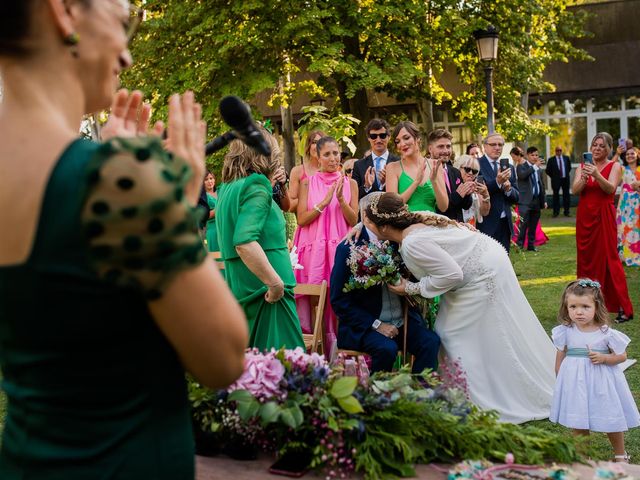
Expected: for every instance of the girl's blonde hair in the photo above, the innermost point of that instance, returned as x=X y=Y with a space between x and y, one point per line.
x=589 y=288
x=241 y=160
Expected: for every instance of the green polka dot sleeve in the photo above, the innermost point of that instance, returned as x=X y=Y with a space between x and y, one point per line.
x=139 y=228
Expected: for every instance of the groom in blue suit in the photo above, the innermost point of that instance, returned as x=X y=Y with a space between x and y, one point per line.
x=503 y=191
x=371 y=320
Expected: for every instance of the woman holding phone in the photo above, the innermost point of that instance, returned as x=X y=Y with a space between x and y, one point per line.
x=596 y=181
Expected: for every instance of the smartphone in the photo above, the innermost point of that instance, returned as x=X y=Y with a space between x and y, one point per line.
x=622 y=142
x=587 y=157
x=293 y=464
x=504 y=164
x=480 y=179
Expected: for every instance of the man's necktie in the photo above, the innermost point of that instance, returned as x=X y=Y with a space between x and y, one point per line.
x=378 y=162
x=536 y=190
x=495 y=168
x=561 y=165
x=446 y=178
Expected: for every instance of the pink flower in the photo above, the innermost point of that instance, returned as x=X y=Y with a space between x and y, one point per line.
x=457 y=181
x=262 y=375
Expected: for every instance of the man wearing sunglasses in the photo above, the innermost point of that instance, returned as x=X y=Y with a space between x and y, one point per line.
x=370 y=172
x=532 y=197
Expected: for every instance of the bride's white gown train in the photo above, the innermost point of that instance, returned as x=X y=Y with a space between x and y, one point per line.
x=485 y=320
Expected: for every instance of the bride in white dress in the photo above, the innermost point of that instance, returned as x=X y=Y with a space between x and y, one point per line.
x=484 y=318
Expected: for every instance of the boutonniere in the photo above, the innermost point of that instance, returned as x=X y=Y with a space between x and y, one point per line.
x=457 y=181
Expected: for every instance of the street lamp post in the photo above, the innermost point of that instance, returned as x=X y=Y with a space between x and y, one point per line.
x=487 y=41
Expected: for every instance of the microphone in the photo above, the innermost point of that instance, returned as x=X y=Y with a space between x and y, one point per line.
x=237 y=115
x=219 y=143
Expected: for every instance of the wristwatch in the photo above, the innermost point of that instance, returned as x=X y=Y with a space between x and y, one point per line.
x=376 y=324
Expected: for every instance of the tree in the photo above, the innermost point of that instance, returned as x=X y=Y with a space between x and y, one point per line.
x=352 y=47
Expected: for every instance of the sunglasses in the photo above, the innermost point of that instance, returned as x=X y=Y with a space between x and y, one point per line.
x=470 y=170
x=348 y=170
x=373 y=136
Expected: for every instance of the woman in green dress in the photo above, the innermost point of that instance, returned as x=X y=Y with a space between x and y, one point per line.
x=251 y=231
x=212 y=199
x=103 y=276
x=415 y=178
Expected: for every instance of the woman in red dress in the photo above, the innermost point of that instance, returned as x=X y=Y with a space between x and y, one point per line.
x=596 y=239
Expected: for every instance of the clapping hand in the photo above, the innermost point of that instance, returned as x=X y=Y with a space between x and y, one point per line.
x=466 y=188
x=185 y=139
x=435 y=168
x=382 y=175
x=129 y=116
x=369 y=177
x=339 y=187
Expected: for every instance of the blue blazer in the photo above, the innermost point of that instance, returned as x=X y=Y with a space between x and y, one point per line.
x=357 y=309
x=499 y=200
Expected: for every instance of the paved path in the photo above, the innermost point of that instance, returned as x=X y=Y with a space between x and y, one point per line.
x=223 y=468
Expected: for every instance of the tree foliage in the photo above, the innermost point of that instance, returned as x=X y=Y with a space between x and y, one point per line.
x=346 y=48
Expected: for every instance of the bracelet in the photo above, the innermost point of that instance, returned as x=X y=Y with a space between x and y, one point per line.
x=317 y=208
x=486 y=199
x=412 y=288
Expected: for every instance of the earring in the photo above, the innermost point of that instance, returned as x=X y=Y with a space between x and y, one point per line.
x=72 y=41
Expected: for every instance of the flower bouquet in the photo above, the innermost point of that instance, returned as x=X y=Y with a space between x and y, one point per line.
x=378 y=263
x=290 y=403
x=374 y=263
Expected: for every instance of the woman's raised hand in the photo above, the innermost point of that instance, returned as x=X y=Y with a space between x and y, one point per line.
x=435 y=169
x=129 y=116
x=422 y=165
x=330 y=193
x=186 y=137
x=339 y=188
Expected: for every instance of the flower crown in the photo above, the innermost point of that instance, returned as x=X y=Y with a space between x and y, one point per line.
x=374 y=209
x=585 y=282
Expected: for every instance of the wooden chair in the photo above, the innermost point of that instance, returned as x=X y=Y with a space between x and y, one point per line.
x=313 y=341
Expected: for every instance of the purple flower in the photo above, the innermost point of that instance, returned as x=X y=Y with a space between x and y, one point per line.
x=262 y=375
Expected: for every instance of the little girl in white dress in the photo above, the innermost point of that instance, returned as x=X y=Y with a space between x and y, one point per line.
x=591 y=392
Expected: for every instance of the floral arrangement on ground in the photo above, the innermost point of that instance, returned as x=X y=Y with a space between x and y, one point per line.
x=289 y=402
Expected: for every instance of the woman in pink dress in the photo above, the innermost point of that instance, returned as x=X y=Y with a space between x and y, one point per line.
x=327 y=209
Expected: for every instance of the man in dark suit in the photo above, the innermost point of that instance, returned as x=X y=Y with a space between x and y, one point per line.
x=371 y=320
x=532 y=197
x=501 y=183
x=558 y=169
x=370 y=172
x=439 y=146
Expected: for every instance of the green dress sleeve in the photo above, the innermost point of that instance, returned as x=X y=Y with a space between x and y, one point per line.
x=255 y=204
x=140 y=229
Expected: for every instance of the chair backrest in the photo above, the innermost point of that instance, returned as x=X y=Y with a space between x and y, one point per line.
x=217 y=258
x=314 y=340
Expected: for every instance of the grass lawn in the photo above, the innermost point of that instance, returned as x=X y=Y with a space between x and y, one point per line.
x=543 y=276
